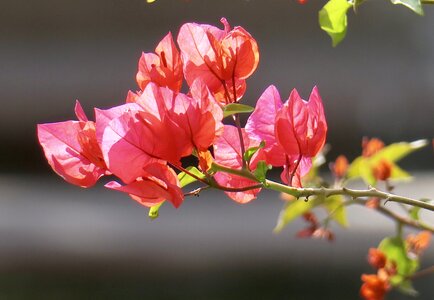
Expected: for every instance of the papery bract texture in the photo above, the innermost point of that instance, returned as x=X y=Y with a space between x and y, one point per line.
x=164 y=67
x=261 y=125
x=223 y=59
x=72 y=150
x=157 y=183
x=159 y=126
x=293 y=132
x=301 y=126
x=227 y=152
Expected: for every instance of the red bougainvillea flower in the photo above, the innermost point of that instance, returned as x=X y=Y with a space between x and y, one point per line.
x=301 y=126
x=340 y=166
x=223 y=59
x=227 y=152
x=293 y=132
x=72 y=150
x=164 y=67
x=160 y=126
x=374 y=287
x=261 y=125
x=417 y=244
x=157 y=183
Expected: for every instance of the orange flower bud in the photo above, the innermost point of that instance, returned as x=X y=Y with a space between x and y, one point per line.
x=376 y=258
x=340 y=167
x=373 y=203
x=382 y=170
x=373 y=288
x=418 y=243
x=371 y=146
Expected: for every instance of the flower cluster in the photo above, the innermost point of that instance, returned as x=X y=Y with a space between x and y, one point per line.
x=396 y=261
x=142 y=141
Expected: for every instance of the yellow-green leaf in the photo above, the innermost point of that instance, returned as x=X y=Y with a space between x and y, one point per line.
x=295 y=209
x=362 y=166
x=236 y=108
x=336 y=209
x=333 y=19
x=395 y=152
x=395 y=251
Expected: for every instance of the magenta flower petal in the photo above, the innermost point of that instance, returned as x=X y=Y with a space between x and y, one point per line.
x=261 y=125
x=66 y=155
x=158 y=183
x=227 y=152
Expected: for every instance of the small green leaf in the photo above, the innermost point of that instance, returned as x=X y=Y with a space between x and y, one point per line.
x=398 y=173
x=362 y=166
x=414 y=5
x=185 y=179
x=251 y=151
x=236 y=108
x=261 y=171
x=414 y=213
x=333 y=19
x=153 y=211
x=397 y=151
x=336 y=209
x=295 y=209
x=394 y=249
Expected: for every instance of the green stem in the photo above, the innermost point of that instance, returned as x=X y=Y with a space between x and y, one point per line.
x=427 y=1
x=326 y=192
x=240 y=172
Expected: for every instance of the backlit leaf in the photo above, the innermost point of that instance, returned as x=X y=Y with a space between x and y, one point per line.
x=362 y=166
x=295 y=209
x=333 y=19
x=395 y=251
x=336 y=209
x=236 y=108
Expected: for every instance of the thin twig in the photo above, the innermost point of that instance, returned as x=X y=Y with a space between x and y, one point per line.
x=326 y=192
x=406 y=221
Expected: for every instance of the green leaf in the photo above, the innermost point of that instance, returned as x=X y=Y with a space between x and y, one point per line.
x=185 y=179
x=153 y=211
x=336 y=209
x=295 y=209
x=398 y=173
x=397 y=151
x=236 y=108
x=394 y=249
x=261 y=171
x=414 y=213
x=251 y=151
x=333 y=19
x=414 y=5
x=362 y=166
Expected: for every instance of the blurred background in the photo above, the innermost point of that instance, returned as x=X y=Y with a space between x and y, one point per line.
x=61 y=242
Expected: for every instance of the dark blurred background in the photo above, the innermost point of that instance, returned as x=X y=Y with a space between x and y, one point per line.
x=60 y=242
